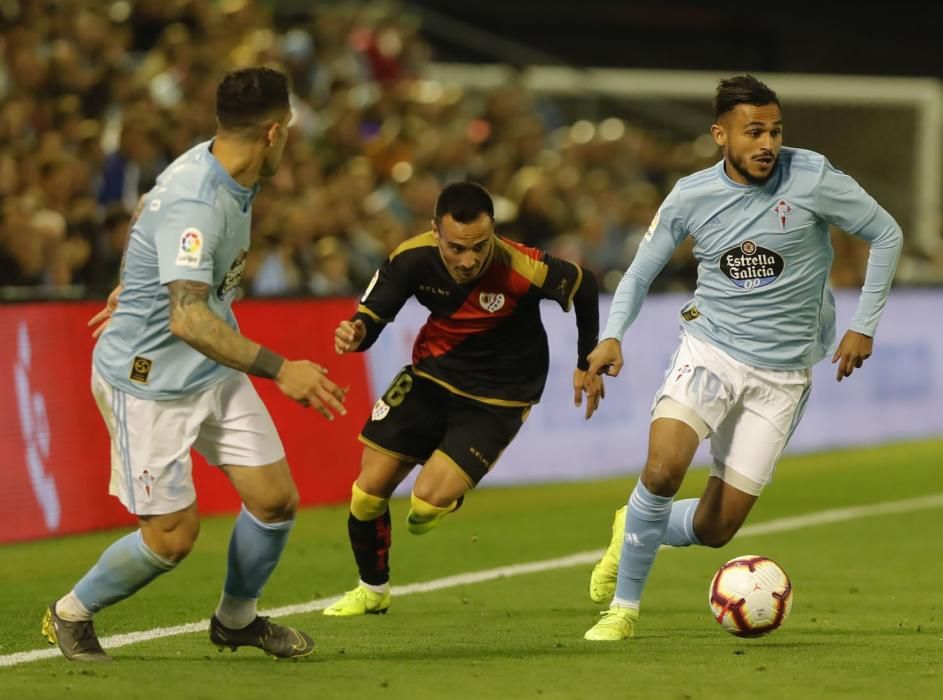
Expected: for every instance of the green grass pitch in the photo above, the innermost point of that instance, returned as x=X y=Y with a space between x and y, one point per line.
x=867 y=619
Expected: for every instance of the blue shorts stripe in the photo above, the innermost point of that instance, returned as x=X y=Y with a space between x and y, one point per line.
x=121 y=421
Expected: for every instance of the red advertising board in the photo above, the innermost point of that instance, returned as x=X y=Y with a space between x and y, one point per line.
x=54 y=466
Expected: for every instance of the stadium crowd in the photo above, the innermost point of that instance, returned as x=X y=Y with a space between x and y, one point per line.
x=97 y=96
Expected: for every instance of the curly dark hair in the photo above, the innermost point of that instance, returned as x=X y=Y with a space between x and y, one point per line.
x=741 y=89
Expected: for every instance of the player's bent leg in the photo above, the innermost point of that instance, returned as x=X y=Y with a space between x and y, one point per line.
x=672 y=444
x=679 y=531
x=370 y=531
x=258 y=539
x=724 y=507
x=123 y=569
x=438 y=491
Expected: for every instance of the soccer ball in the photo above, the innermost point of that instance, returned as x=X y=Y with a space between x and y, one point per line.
x=750 y=596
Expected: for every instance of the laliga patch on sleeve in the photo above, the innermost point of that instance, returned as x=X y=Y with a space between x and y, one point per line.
x=190 y=251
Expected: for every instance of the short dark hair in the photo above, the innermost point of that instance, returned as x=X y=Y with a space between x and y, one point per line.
x=741 y=89
x=246 y=97
x=465 y=201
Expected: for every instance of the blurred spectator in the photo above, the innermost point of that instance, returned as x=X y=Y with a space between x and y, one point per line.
x=331 y=274
x=109 y=247
x=96 y=97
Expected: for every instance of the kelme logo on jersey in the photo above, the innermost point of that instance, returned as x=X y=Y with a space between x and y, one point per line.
x=749 y=266
x=491 y=302
x=191 y=248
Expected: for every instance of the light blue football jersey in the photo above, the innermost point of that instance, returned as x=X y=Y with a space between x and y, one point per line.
x=193 y=225
x=764 y=257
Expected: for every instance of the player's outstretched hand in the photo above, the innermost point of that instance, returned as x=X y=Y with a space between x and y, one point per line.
x=307 y=383
x=606 y=358
x=348 y=336
x=103 y=317
x=592 y=384
x=852 y=351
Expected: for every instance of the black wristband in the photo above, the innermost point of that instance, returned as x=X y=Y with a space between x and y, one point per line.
x=266 y=364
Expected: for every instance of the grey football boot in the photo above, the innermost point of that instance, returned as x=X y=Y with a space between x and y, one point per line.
x=77 y=640
x=277 y=640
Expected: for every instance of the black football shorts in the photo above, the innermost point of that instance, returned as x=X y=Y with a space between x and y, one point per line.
x=416 y=416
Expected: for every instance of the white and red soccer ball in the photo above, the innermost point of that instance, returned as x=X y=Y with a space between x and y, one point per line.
x=750 y=596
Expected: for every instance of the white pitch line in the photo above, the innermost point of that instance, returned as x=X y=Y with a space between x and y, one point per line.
x=823 y=517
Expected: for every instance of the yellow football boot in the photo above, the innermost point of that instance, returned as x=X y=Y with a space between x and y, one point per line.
x=360 y=601
x=614 y=625
x=602 y=582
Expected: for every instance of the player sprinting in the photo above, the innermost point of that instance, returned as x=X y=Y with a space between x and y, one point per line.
x=479 y=363
x=761 y=316
x=169 y=373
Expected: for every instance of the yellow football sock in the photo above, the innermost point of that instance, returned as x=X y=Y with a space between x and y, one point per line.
x=423 y=516
x=366 y=507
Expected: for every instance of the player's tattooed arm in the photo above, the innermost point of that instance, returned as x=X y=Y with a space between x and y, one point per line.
x=192 y=320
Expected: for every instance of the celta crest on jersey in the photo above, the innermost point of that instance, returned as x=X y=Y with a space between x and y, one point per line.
x=782 y=209
x=749 y=266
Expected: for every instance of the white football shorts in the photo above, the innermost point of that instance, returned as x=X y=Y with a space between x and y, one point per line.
x=751 y=412
x=151 y=468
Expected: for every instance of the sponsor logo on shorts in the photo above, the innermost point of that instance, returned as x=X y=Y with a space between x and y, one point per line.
x=191 y=248
x=491 y=302
x=140 y=370
x=380 y=410
x=480 y=456
x=749 y=266
x=682 y=370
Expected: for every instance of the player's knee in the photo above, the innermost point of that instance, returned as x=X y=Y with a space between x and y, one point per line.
x=277 y=505
x=377 y=483
x=432 y=495
x=366 y=506
x=717 y=533
x=174 y=545
x=662 y=477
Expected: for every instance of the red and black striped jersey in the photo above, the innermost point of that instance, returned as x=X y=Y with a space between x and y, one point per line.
x=483 y=339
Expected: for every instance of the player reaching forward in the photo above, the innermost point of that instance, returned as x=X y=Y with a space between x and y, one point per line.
x=479 y=363
x=170 y=374
x=761 y=316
